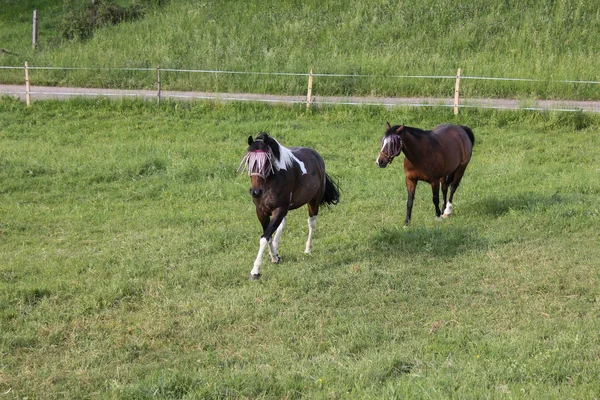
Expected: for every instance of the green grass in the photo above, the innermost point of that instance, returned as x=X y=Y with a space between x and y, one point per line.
x=126 y=238
x=547 y=40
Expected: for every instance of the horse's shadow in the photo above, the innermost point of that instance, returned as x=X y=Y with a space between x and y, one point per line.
x=439 y=242
x=449 y=241
x=499 y=206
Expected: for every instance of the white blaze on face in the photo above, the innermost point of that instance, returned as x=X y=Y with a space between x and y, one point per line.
x=386 y=141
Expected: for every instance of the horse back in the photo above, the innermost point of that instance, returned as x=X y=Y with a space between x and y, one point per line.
x=455 y=140
x=313 y=162
x=312 y=183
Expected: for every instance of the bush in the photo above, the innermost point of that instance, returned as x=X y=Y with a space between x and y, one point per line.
x=79 y=23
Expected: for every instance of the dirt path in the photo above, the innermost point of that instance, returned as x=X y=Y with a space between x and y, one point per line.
x=62 y=93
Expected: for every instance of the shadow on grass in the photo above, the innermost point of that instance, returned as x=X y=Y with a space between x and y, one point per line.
x=499 y=206
x=438 y=242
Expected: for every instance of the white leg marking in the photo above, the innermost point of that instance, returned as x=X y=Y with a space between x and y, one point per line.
x=448 y=210
x=261 y=249
x=312 y=223
x=274 y=245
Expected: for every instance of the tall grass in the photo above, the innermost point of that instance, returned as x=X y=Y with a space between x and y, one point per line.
x=126 y=238
x=546 y=40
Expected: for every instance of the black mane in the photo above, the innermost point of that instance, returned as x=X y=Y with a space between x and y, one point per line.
x=409 y=129
x=272 y=143
x=414 y=130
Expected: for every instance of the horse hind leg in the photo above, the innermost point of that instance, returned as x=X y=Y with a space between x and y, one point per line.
x=447 y=210
x=444 y=184
x=312 y=223
x=456 y=178
x=447 y=206
x=313 y=210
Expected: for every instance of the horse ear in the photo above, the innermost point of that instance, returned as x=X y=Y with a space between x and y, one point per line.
x=399 y=129
x=250 y=140
x=387 y=126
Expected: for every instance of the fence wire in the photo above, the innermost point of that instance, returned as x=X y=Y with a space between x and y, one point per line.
x=292 y=99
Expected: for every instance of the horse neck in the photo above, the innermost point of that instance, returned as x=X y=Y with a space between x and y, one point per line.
x=410 y=146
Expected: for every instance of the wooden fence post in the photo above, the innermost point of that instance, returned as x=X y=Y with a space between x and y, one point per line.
x=35 y=30
x=158 y=82
x=456 y=90
x=94 y=14
x=309 y=93
x=27 y=87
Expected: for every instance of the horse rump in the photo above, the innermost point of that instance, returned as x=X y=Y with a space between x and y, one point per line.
x=332 y=192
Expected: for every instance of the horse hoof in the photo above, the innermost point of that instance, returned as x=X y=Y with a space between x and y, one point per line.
x=276 y=259
x=254 y=277
x=446 y=216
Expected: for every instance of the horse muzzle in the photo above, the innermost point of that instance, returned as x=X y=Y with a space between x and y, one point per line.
x=382 y=162
x=256 y=193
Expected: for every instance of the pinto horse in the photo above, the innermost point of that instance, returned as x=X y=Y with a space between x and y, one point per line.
x=438 y=157
x=284 y=179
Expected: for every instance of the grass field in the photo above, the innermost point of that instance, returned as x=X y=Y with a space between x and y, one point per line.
x=547 y=40
x=126 y=238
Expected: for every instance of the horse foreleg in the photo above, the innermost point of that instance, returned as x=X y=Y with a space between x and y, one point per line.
x=270 y=225
x=274 y=245
x=265 y=220
x=435 y=189
x=255 y=273
x=411 y=186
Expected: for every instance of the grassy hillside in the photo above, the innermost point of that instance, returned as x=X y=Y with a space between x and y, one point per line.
x=548 y=40
x=126 y=238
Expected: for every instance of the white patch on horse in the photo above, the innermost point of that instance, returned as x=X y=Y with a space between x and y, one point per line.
x=448 y=210
x=287 y=158
x=386 y=141
x=258 y=262
x=382 y=147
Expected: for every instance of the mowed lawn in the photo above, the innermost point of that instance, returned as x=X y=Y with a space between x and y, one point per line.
x=126 y=239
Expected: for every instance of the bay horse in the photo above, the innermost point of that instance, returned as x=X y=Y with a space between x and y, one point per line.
x=284 y=179
x=438 y=157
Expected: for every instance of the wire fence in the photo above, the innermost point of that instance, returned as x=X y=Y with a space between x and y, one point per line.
x=541 y=105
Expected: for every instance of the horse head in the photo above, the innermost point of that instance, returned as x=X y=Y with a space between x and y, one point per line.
x=391 y=145
x=259 y=161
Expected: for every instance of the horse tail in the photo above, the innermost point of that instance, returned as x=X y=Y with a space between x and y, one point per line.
x=332 y=192
x=470 y=133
